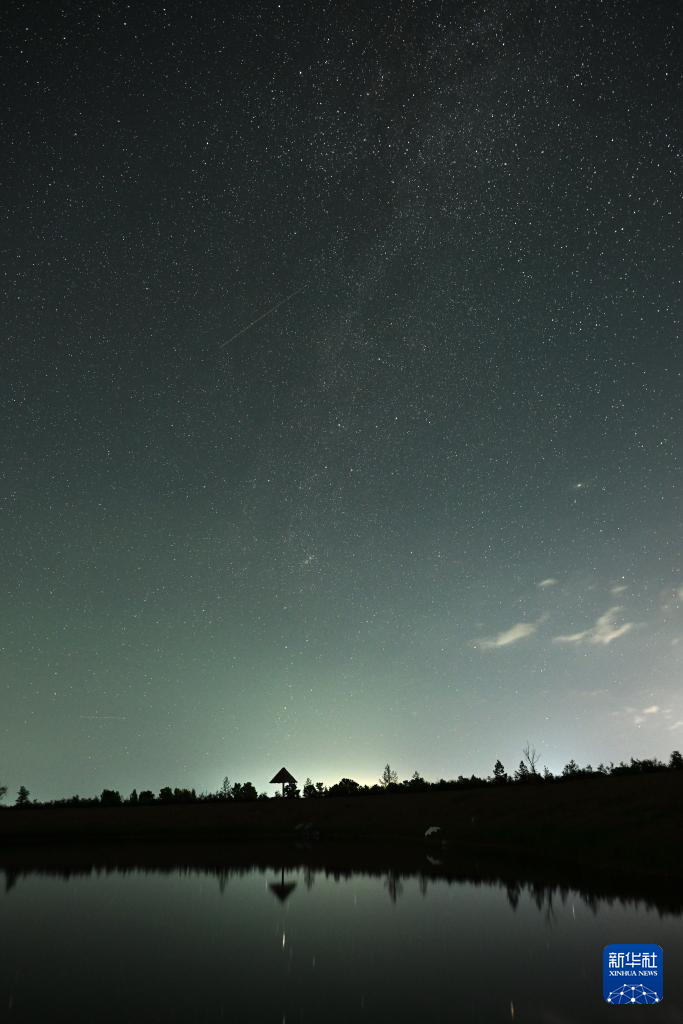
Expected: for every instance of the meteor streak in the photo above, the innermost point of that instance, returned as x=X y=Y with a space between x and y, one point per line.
x=268 y=312
x=98 y=718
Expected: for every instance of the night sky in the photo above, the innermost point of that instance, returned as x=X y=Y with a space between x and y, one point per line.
x=340 y=390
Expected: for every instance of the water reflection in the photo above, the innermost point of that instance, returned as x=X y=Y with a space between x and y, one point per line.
x=158 y=934
x=282 y=889
x=544 y=887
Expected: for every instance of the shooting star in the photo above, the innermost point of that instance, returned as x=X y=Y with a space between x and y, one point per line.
x=268 y=312
x=99 y=718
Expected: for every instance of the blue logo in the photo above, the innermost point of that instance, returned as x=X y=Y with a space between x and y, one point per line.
x=632 y=972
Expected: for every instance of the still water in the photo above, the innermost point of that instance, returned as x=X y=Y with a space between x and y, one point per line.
x=310 y=945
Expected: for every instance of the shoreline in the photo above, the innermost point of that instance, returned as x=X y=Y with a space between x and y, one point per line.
x=625 y=825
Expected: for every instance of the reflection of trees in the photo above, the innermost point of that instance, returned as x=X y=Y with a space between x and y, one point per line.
x=542 y=890
x=514 y=891
x=544 y=896
x=394 y=886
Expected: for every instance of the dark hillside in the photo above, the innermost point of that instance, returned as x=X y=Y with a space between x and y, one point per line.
x=627 y=823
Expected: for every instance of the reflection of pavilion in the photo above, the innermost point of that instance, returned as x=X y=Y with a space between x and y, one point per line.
x=282 y=889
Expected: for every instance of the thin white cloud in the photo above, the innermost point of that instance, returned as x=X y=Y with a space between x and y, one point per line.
x=676 y=725
x=509 y=636
x=652 y=710
x=604 y=631
x=619 y=589
x=549 y=582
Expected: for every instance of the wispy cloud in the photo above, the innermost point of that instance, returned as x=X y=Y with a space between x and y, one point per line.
x=618 y=589
x=604 y=631
x=640 y=715
x=549 y=582
x=509 y=636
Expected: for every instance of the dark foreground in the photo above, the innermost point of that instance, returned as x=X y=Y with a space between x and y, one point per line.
x=618 y=826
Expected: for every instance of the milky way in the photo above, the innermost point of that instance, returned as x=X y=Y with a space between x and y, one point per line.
x=425 y=505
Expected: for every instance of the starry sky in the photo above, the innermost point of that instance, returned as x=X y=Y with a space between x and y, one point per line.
x=340 y=390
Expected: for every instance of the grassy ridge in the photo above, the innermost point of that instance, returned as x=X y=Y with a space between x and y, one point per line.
x=623 y=823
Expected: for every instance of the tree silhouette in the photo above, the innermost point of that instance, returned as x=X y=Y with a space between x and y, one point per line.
x=531 y=757
x=309 y=789
x=499 y=773
x=22 y=797
x=3 y=790
x=388 y=777
x=184 y=796
x=676 y=760
x=345 y=787
x=110 y=798
x=224 y=791
x=244 y=791
x=291 y=791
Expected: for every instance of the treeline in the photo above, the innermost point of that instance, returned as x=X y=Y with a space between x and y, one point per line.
x=526 y=773
x=146 y=797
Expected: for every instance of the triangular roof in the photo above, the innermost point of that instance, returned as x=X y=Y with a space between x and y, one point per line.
x=283 y=776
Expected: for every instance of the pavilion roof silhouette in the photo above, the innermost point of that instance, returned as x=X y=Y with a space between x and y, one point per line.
x=283 y=776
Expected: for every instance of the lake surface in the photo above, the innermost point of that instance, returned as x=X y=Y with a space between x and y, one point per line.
x=301 y=945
